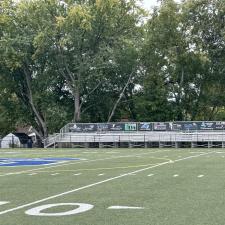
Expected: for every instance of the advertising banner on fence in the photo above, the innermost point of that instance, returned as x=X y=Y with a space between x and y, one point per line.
x=82 y=127
x=176 y=126
x=160 y=126
x=206 y=125
x=145 y=126
x=219 y=125
x=116 y=127
x=184 y=126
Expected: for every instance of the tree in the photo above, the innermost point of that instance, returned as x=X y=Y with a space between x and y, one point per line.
x=205 y=23
x=175 y=69
x=81 y=37
x=27 y=75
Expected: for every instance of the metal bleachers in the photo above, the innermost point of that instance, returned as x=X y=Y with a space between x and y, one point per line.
x=115 y=139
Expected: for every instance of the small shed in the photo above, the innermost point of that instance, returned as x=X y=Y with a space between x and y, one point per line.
x=15 y=140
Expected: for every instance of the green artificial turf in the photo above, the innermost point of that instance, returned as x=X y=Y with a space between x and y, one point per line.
x=99 y=180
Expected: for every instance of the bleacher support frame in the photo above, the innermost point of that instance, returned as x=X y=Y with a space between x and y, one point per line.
x=164 y=139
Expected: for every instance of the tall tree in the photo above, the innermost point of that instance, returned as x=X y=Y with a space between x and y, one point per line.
x=205 y=24
x=27 y=75
x=82 y=37
x=175 y=71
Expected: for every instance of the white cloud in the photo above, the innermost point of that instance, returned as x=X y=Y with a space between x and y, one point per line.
x=148 y=4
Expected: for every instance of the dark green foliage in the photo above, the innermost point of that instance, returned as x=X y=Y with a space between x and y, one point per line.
x=95 y=61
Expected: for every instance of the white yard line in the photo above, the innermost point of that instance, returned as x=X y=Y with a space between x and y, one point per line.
x=95 y=184
x=4 y=203
x=101 y=168
x=175 y=175
x=124 y=207
x=200 y=176
x=150 y=175
x=152 y=157
x=72 y=163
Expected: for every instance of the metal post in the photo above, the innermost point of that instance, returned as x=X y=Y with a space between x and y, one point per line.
x=115 y=144
x=86 y=145
x=146 y=144
x=130 y=145
x=100 y=145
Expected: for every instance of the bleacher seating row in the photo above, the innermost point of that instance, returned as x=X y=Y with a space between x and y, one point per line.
x=143 y=134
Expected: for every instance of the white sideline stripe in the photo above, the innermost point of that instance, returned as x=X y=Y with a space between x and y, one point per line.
x=54 y=174
x=3 y=203
x=97 y=183
x=77 y=174
x=101 y=174
x=11 y=152
x=199 y=176
x=196 y=152
x=66 y=164
x=32 y=174
x=175 y=175
x=124 y=207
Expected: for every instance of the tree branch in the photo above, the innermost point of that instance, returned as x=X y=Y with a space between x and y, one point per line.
x=120 y=97
x=88 y=94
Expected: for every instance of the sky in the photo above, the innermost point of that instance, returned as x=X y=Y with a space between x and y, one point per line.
x=149 y=3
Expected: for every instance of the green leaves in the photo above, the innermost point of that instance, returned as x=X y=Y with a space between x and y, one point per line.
x=77 y=59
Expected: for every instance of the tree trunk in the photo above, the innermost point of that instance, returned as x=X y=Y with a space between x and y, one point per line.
x=38 y=116
x=131 y=105
x=77 y=105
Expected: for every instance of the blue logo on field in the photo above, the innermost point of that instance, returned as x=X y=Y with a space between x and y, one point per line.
x=32 y=161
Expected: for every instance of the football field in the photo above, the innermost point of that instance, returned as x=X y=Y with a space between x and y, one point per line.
x=112 y=186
